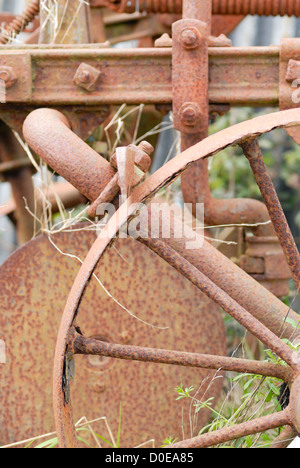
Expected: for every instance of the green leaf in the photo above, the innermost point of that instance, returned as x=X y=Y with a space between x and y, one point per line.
x=274 y=389
x=48 y=443
x=292 y=322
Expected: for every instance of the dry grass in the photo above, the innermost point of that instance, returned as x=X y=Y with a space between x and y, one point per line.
x=95 y=440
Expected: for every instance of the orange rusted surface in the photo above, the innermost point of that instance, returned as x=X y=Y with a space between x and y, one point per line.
x=238 y=134
x=35 y=282
x=153 y=317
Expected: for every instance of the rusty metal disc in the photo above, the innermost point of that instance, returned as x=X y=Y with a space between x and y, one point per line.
x=35 y=283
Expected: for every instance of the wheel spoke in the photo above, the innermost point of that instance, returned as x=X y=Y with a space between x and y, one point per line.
x=65 y=349
x=82 y=345
x=226 y=434
x=228 y=304
x=254 y=155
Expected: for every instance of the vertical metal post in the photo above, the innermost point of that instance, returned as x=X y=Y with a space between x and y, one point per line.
x=191 y=115
x=195 y=9
x=190 y=70
x=64 y=22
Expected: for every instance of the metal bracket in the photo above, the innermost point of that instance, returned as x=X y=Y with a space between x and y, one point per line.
x=16 y=76
x=190 y=75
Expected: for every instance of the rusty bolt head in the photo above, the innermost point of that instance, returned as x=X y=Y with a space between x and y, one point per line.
x=8 y=75
x=190 y=113
x=293 y=70
x=87 y=77
x=84 y=76
x=190 y=38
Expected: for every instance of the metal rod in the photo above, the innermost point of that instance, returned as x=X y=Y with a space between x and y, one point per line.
x=226 y=434
x=42 y=123
x=82 y=345
x=219 y=7
x=197 y=10
x=44 y=128
x=244 y=289
x=217 y=295
x=286 y=436
x=253 y=153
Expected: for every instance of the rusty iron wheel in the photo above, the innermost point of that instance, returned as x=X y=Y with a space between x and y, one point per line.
x=71 y=342
x=35 y=282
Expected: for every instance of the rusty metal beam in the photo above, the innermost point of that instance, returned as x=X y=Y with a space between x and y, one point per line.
x=221 y=298
x=82 y=345
x=44 y=75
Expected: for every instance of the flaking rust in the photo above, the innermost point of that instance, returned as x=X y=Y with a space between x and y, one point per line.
x=68 y=376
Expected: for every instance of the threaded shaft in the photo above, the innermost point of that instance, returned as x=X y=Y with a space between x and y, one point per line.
x=219 y=7
x=20 y=22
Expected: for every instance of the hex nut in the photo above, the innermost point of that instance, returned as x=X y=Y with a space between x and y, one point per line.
x=190 y=113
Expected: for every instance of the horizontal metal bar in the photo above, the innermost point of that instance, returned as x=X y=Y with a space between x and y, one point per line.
x=82 y=345
x=237 y=76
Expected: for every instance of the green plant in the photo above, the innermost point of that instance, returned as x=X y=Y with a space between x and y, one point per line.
x=246 y=396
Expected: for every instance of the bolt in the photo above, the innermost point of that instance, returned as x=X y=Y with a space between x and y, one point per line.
x=87 y=77
x=190 y=113
x=190 y=38
x=8 y=76
x=84 y=76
